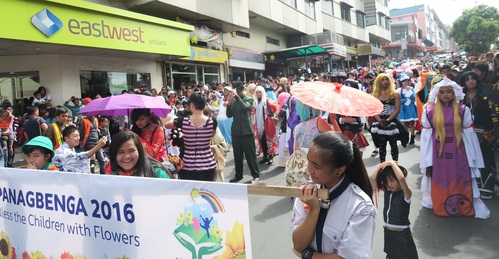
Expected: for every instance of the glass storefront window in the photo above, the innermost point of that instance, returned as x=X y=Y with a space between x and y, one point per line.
x=190 y=74
x=210 y=70
x=105 y=83
x=186 y=68
x=18 y=88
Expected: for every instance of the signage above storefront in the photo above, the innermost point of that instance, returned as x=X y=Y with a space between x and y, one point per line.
x=364 y=49
x=351 y=50
x=81 y=23
x=335 y=49
x=207 y=55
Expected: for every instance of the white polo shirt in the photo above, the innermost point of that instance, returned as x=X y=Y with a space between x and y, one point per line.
x=349 y=226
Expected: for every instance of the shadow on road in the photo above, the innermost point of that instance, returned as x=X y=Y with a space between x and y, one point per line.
x=275 y=209
x=448 y=237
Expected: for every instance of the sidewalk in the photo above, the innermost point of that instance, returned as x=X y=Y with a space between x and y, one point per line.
x=19 y=158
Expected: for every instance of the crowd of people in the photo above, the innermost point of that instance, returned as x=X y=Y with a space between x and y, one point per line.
x=454 y=106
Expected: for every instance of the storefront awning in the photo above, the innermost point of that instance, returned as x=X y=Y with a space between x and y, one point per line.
x=428 y=42
x=308 y=50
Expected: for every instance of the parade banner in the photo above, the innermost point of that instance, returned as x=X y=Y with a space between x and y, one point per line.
x=47 y=214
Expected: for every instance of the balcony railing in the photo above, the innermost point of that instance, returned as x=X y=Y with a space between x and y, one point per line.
x=316 y=39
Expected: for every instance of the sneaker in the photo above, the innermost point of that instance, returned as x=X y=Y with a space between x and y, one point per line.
x=256 y=179
x=486 y=194
x=374 y=153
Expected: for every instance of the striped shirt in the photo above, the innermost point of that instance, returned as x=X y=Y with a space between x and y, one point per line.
x=197 y=154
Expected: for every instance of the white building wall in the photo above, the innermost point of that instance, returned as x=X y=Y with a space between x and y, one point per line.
x=258 y=39
x=288 y=16
x=60 y=74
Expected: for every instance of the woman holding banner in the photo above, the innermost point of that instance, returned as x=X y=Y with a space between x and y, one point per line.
x=127 y=157
x=343 y=225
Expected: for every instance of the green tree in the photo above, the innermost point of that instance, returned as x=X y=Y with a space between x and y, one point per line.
x=476 y=29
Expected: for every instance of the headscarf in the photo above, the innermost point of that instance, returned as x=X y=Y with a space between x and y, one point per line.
x=260 y=110
x=458 y=90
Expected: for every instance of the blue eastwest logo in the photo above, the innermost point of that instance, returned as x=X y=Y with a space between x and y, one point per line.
x=46 y=22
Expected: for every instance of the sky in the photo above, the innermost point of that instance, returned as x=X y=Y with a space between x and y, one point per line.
x=447 y=10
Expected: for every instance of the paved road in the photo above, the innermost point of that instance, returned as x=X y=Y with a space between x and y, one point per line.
x=435 y=237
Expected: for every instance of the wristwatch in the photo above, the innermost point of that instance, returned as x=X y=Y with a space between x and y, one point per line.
x=307 y=253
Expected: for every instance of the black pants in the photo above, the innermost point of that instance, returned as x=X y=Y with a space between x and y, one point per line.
x=400 y=244
x=99 y=156
x=487 y=174
x=383 y=139
x=265 y=147
x=203 y=175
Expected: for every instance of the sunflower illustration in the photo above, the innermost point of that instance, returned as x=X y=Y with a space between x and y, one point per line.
x=37 y=255
x=5 y=246
x=26 y=255
x=67 y=255
x=234 y=243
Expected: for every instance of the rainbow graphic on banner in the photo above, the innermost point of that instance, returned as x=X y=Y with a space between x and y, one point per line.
x=215 y=203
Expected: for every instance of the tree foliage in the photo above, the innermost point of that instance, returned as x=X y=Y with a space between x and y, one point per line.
x=476 y=29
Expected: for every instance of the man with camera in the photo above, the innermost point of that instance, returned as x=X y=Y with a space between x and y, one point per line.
x=239 y=107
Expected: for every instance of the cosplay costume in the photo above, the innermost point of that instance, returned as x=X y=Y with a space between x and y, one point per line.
x=264 y=126
x=452 y=188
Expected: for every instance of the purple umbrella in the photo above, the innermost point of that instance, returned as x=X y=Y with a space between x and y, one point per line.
x=120 y=105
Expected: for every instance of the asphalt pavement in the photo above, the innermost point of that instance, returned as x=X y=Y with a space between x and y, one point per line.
x=435 y=237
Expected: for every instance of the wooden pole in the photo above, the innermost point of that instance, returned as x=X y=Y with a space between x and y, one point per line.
x=284 y=191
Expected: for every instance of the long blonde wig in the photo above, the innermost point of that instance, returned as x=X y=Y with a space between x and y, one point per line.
x=439 y=127
x=377 y=86
x=249 y=88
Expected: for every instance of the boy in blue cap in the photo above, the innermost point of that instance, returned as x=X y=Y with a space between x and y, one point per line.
x=39 y=153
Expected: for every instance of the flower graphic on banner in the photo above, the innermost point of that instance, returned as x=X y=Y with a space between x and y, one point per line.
x=5 y=247
x=34 y=255
x=235 y=248
x=67 y=255
x=197 y=230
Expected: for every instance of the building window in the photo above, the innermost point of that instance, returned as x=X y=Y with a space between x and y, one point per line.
x=381 y=20
x=310 y=9
x=398 y=36
x=103 y=82
x=291 y=3
x=177 y=73
x=273 y=41
x=345 y=13
x=243 y=34
x=327 y=7
x=387 y=23
x=361 y=19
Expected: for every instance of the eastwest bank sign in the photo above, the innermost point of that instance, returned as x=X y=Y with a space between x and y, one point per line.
x=81 y=23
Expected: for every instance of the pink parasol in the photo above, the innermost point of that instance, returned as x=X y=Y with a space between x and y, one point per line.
x=336 y=98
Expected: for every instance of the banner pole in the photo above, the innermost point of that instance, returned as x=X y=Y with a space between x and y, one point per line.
x=274 y=190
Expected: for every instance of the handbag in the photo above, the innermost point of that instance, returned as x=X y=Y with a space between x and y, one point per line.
x=403 y=135
x=295 y=172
